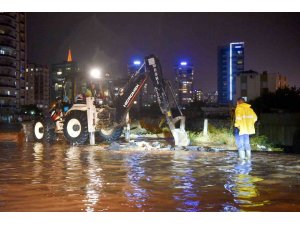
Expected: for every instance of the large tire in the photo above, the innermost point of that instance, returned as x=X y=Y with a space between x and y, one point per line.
x=110 y=135
x=43 y=130
x=76 y=127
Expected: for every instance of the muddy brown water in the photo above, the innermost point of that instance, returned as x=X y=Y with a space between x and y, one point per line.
x=59 y=177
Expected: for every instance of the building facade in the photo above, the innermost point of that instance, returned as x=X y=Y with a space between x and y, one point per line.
x=12 y=63
x=230 y=63
x=184 y=80
x=270 y=82
x=63 y=79
x=198 y=95
x=210 y=97
x=37 y=86
x=251 y=84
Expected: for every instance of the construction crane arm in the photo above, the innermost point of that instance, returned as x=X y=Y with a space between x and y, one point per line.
x=152 y=69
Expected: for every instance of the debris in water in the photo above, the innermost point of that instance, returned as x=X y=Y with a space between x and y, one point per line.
x=192 y=148
x=262 y=147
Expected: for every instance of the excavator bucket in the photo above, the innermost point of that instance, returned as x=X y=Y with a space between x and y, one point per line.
x=181 y=137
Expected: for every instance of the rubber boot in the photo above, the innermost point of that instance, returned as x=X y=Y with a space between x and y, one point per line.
x=248 y=155
x=241 y=154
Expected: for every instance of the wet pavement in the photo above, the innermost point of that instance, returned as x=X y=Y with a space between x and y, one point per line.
x=59 y=177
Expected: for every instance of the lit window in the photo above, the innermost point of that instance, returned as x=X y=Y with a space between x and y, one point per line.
x=27 y=70
x=59 y=73
x=31 y=69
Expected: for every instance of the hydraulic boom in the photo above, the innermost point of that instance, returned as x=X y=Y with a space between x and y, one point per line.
x=152 y=69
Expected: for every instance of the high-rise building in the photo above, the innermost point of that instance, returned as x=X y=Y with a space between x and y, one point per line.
x=230 y=64
x=12 y=63
x=251 y=84
x=184 y=79
x=37 y=88
x=63 y=78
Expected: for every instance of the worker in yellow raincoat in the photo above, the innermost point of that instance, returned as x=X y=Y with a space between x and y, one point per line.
x=245 y=119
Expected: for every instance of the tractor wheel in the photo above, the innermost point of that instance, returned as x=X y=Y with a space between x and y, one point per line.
x=43 y=130
x=76 y=127
x=110 y=134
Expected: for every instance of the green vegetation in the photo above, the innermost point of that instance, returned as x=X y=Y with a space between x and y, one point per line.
x=223 y=138
x=284 y=99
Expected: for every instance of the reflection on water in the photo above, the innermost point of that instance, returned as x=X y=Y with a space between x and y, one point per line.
x=184 y=181
x=94 y=183
x=73 y=169
x=38 y=154
x=59 y=177
x=136 y=195
x=242 y=185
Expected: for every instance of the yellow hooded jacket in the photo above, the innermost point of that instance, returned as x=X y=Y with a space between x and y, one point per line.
x=245 y=118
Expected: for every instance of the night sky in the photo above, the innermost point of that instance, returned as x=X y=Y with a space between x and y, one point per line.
x=111 y=40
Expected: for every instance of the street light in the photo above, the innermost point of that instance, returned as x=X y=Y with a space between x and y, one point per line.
x=95 y=73
x=183 y=63
x=137 y=62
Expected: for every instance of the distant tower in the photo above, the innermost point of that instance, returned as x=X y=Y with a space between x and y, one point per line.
x=184 y=79
x=230 y=64
x=69 y=56
x=63 y=79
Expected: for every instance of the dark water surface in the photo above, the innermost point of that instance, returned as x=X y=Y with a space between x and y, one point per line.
x=38 y=177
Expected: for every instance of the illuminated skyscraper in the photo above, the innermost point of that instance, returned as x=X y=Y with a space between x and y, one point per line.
x=184 y=80
x=12 y=63
x=230 y=64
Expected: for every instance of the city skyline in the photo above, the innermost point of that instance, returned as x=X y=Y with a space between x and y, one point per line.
x=113 y=39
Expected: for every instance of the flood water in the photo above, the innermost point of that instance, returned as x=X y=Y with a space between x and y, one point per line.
x=59 y=177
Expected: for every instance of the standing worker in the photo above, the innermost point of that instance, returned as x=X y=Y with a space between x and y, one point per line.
x=245 y=118
x=91 y=90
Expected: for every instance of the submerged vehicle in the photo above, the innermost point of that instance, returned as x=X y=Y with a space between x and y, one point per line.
x=86 y=119
x=46 y=127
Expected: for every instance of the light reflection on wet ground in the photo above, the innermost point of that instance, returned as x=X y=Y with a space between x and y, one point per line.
x=59 y=177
